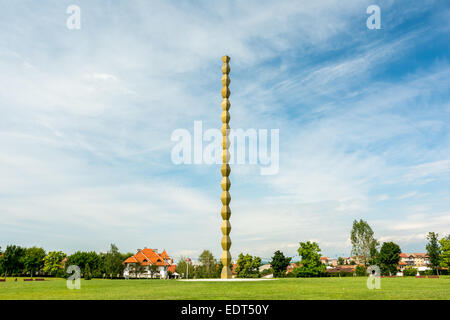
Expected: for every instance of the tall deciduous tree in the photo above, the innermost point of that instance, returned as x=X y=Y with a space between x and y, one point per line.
x=84 y=259
x=389 y=257
x=445 y=252
x=309 y=265
x=53 y=262
x=433 y=250
x=363 y=242
x=208 y=265
x=184 y=268
x=13 y=260
x=279 y=263
x=113 y=261
x=248 y=266
x=34 y=259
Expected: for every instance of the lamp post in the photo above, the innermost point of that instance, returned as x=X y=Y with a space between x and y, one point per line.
x=225 y=169
x=187 y=267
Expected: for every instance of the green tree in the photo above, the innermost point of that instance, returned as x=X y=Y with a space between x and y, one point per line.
x=87 y=272
x=279 y=263
x=266 y=272
x=84 y=259
x=13 y=260
x=374 y=255
x=53 y=262
x=340 y=261
x=184 y=268
x=218 y=270
x=113 y=261
x=389 y=257
x=445 y=252
x=360 y=270
x=248 y=266
x=207 y=268
x=434 y=250
x=363 y=242
x=409 y=272
x=2 y=271
x=34 y=260
x=309 y=265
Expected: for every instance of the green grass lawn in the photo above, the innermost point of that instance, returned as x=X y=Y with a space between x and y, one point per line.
x=302 y=288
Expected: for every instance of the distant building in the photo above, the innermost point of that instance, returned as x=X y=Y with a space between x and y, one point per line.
x=291 y=267
x=140 y=264
x=421 y=261
x=264 y=267
x=328 y=261
x=344 y=268
x=353 y=260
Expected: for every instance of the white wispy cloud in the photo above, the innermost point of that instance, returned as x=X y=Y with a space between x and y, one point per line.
x=88 y=114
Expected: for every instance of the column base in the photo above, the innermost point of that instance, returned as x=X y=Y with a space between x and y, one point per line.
x=226 y=273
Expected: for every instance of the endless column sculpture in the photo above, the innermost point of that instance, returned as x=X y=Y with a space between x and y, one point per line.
x=225 y=169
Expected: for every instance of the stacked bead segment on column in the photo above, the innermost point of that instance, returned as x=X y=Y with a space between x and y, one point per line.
x=225 y=183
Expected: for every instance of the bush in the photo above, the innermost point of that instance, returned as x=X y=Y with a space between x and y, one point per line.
x=313 y=272
x=61 y=273
x=360 y=270
x=266 y=272
x=340 y=274
x=430 y=272
x=409 y=272
x=290 y=275
x=443 y=272
x=87 y=273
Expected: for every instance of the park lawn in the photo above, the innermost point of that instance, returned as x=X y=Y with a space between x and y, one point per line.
x=290 y=288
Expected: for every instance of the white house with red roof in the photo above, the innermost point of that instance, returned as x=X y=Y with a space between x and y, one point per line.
x=146 y=258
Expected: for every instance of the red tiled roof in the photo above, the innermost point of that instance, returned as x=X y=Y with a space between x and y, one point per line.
x=148 y=257
x=131 y=259
x=420 y=255
x=403 y=255
x=323 y=258
x=342 y=268
x=164 y=255
x=172 y=268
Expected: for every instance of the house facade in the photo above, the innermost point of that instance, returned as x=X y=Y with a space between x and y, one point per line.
x=421 y=261
x=330 y=262
x=148 y=263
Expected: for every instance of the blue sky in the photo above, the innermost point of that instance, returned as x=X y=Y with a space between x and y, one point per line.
x=87 y=117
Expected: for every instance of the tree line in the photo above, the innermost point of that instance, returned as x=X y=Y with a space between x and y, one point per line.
x=19 y=261
x=387 y=256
